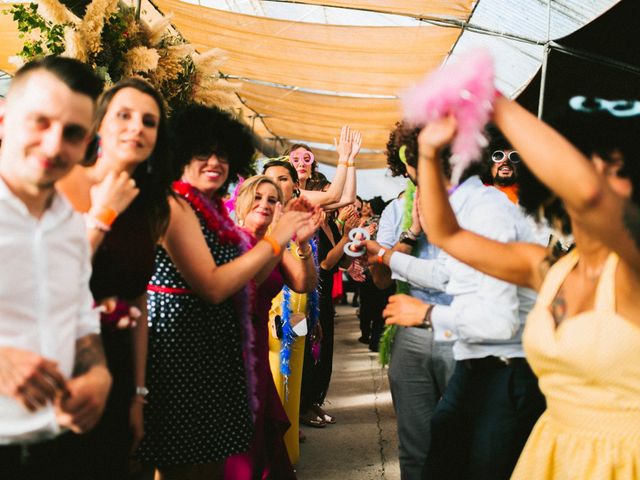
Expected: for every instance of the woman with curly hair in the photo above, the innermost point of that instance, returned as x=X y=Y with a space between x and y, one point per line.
x=123 y=187
x=200 y=321
x=258 y=205
x=583 y=336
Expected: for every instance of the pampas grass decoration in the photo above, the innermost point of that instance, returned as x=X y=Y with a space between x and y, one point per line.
x=170 y=64
x=90 y=29
x=220 y=93
x=210 y=61
x=156 y=32
x=74 y=47
x=140 y=60
x=55 y=12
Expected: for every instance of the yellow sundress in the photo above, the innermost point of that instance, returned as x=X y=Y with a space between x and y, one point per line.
x=291 y=402
x=589 y=372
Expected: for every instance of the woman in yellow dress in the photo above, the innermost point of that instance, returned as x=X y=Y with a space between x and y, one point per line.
x=582 y=339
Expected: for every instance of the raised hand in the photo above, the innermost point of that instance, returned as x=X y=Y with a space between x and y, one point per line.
x=30 y=379
x=356 y=143
x=344 y=146
x=114 y=191
x=436 y=135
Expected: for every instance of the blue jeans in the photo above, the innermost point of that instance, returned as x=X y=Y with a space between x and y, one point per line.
x=483 y=420
x=418 y=374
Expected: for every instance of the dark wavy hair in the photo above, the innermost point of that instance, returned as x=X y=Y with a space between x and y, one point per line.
x=276 y=162
x=592 y=131
x=295 y=146
x=201 y=131
x=153 y=176
x=405 y=134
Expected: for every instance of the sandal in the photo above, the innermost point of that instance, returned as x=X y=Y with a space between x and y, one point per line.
x=312 y=420
x=323 y=415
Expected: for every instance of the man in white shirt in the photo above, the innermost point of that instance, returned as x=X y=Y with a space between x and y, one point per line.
x=53 y=376
x=419 y=366
x=492 y=400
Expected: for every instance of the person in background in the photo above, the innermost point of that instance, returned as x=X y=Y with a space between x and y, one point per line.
x=130 y=163
x=258 y=205
x=294 y=307
x=420 y=366
x=342 y=190
x=316 y=375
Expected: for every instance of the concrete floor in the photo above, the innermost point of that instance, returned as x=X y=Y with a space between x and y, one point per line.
x=362 y=445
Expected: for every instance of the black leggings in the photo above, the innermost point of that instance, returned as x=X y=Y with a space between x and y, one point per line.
x=317 y=376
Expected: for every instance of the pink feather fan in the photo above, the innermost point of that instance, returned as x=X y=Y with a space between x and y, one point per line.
x=465 y=89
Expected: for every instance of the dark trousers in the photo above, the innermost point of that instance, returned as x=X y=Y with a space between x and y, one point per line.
x=372 y=303
x=483 y=420
x=45 y=460
x=317 y=376
x=103 y=453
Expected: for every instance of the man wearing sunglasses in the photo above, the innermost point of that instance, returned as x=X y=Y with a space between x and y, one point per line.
x=501 y=163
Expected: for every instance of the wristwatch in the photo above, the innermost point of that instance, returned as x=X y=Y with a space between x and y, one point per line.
x=408 y=238
x=426 y=323
x=142 y=391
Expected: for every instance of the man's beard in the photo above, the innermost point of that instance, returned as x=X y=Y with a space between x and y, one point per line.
x=504 y=181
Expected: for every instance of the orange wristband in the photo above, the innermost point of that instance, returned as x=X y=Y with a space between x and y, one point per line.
x=106 y=216
x=381 y=253
x=275 y=246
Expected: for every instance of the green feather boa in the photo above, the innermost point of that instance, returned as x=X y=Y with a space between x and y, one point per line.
x=402 y=287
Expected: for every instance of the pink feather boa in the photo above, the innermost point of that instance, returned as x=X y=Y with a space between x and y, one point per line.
x=465 y=89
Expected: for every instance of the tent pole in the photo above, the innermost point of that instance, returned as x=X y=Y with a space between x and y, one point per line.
x=545 y=57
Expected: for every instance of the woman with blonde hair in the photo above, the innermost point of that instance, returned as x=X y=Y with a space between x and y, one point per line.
x=258 y=206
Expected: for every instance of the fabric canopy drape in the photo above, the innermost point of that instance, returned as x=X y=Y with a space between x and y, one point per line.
x=446 y=9
x=306 y=80
x=335 y=58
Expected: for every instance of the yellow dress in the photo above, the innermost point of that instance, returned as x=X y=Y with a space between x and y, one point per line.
x=589 y=372
x=291 y=402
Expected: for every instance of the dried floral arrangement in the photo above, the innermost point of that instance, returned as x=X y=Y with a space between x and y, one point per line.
x=117 y=45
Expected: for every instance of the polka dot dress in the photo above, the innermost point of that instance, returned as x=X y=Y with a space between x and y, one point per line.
x=197 y=409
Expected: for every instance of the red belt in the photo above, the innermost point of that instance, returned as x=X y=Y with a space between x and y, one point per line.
x=175 y=291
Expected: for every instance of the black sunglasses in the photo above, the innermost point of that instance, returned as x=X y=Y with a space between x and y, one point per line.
x=500 y=155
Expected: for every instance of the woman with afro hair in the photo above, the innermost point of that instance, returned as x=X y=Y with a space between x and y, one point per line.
x=200 y=323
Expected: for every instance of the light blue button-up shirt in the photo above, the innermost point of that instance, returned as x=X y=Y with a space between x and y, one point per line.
x=487 y=315
x=389 y=230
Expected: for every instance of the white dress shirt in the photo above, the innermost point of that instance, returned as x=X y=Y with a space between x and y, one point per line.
x=45 y=301
x=487 y=315
x=389 y=230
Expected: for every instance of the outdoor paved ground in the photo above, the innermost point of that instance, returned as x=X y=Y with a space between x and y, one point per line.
x=362 y=445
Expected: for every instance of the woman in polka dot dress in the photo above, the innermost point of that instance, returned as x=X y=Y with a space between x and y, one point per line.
x=198 y=403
